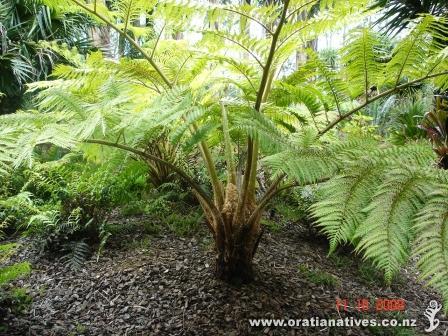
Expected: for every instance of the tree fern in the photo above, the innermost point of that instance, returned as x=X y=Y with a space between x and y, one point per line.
x=179 y=92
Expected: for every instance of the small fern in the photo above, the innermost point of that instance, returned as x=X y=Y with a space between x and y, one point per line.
x=77 y=254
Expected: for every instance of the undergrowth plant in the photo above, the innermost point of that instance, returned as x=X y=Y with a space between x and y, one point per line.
x=65 y=203
x=12 y=299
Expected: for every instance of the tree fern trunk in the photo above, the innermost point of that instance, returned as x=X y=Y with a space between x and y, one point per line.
x=237 y=239
x=235 y=266
x=234 y=262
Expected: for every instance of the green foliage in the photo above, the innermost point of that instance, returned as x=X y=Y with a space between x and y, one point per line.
x=95 y=97
x=318 y=160
x=140 y=243
x=14 y=271
x=389 y=204
x=360 y=125
x=272 y=225
x=290 y=212
x=399 y=116
x=6 y=250
x=409 y=54
x=23 y=59
x=431 y=226
x=184 y=224
x=170 y=205
x=386 y=232
x=185 y=98
x=65 y=207
x=15 y=299
x=319 y=277
x=369 y=273
x=291 y=208
x=406 y=121
x=360 y=57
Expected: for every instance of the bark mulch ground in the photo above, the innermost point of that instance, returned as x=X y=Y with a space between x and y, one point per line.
x=164 y=285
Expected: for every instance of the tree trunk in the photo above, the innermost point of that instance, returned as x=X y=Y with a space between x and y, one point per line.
x=236 y=239
x=234 y=260
x=235 y=266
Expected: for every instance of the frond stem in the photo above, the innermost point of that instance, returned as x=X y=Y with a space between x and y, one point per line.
x=252 y=147
x=381 y=95
x=242 y=46
x=250 y=18
x=193 y=184
x=299 y=8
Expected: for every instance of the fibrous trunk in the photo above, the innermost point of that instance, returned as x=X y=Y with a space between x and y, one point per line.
x=236 y=238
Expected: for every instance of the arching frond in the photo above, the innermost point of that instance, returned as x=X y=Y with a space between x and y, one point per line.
x=361 y=57
x=338 y=213
x=386 y=234
x=329 y=80
x=414 y=50
x=431 y=226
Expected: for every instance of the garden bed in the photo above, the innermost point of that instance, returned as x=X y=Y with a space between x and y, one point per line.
x=163 y=285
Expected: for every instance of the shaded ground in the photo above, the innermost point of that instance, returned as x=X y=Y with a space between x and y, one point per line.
x=164 y=285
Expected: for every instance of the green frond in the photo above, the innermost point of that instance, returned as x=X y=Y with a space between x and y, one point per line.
x=431 y=244
x=361 y=57
x=412 y=53
x=285 y=94
x=309 y=161
x=386 y=234
x=258 y=126
x=129 y=11
x=330 y=81
x=7 y=145
x=362 y=167
x=200 y=135
x=338 y=212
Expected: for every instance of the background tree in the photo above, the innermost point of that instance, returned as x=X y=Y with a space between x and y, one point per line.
x=396 y=15
x=23 y=23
